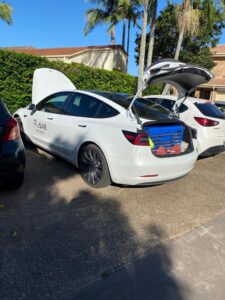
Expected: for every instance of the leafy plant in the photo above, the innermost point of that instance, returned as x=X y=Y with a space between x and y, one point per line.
x=16 y=72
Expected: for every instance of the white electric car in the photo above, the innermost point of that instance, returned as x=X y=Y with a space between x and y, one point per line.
x=204 y=116
x=109 y=137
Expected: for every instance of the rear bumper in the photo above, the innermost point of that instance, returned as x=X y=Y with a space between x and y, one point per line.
x=135 y=171
x=12 y=158
x=210 y=145
x=213 y=151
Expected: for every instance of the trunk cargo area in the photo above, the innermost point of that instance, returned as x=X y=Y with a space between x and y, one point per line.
x=168 y=138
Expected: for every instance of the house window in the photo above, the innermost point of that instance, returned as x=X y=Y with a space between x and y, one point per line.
x=205 y=94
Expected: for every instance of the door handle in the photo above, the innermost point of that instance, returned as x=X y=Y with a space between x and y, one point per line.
x=50 y=118
x=83 y=126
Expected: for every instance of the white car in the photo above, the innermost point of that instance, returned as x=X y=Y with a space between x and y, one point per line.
x=106 y=135
x=221 y=105
x=204 y=116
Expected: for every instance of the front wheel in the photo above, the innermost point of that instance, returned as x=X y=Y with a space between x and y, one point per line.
x=93 y=166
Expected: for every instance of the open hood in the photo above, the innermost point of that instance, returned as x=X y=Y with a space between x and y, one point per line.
x=186 y=78
x=48 y=81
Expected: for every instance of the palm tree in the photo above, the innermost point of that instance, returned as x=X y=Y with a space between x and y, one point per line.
x=128 y=11
x=143 y=43
x=188 y=23
x=102 y=14
x=6 y=11
x=153 y=17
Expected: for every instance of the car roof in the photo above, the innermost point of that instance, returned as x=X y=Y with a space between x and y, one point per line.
x=174 y=98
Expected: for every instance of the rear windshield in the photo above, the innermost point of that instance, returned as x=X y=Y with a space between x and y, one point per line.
x=145 y=108
x=221 y=107
x=210 y=110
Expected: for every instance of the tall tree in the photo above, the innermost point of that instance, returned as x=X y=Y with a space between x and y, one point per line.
x=188 y=23
x=195 y=49
x=153 y=17
x=102 y=14
x=141 y=64
x=6 y=11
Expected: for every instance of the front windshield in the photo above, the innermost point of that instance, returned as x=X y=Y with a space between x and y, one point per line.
x=145 y=108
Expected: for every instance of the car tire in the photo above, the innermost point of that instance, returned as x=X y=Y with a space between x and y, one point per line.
x=14 y=182
x=93 y=166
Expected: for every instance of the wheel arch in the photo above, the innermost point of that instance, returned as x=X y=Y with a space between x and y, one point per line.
x=93 y=143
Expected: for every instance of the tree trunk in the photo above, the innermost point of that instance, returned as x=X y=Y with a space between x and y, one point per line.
x=152 y=33
x=179 y=43
x=143 y=45
x=177 y=54
x=128 y=37
x=112 y=33
x=124 y=33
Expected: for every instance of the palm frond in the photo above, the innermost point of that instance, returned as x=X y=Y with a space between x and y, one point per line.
x=6 y=11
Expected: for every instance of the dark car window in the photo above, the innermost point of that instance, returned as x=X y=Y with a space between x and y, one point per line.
x=169 y=104
x=148 y=109
x=82 y=105
x=53 y=104
x=210 y=110
x=145 y=108
x=183 y=108
x=221 y=107
x=106 y=111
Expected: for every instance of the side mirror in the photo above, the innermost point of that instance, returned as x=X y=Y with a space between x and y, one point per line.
x=32 y=107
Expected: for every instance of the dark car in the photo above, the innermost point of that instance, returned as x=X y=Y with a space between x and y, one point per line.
x=12 y=154
x=221 y=105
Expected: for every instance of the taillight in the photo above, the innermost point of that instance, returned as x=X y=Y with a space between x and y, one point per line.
x=11 y=131
x=139 y=139
x=206 y=122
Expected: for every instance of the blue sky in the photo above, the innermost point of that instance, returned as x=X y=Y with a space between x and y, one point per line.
x=51 y=23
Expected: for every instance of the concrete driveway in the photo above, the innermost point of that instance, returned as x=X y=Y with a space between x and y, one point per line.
x=57 y=235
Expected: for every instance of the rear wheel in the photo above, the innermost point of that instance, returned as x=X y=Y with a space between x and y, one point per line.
x=93 y=166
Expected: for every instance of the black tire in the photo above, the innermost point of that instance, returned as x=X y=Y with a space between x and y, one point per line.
x=14 y=182
x=93 y=166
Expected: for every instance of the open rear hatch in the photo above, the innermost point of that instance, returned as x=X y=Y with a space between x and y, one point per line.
x=172 y=137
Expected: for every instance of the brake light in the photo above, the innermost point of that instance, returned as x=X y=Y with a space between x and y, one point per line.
x=138 y=139
x=206 y=122
x=11 y=131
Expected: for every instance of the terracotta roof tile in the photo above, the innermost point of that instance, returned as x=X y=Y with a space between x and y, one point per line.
x=218 y=80
x=60 y=51
x=219 y=49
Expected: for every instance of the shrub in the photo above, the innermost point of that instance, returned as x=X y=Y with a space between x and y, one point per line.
x=16 y=72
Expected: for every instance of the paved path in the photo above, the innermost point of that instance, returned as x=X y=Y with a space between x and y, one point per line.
x=189 y=268
x=57 y=235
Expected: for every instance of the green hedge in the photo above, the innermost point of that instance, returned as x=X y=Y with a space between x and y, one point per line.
x=16 y=72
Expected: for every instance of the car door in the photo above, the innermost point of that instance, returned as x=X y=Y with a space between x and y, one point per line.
x=74 y=124
x=42 y=121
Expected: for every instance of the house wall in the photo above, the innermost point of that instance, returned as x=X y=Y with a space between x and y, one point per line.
x=107 y=59
x=219 y=69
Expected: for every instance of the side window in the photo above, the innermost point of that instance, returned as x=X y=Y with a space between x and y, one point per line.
x=183 y=108
x=106 y=111
x=53 y=104
x=82 y=105
x=167 y=104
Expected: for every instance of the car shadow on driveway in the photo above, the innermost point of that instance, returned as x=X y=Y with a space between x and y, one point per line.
x=52 y=248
